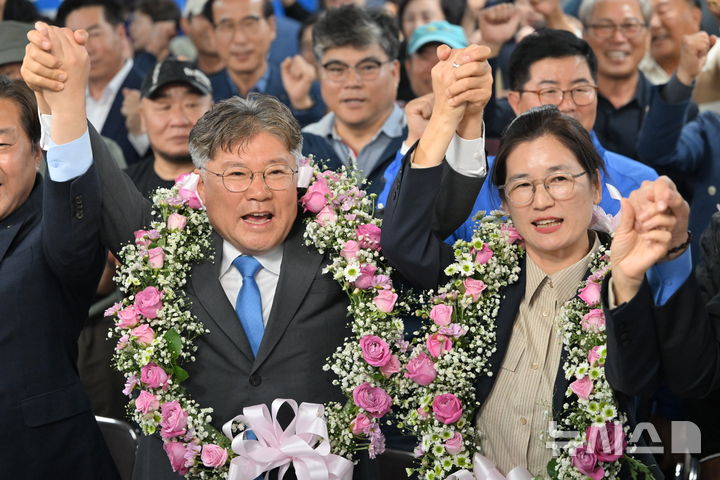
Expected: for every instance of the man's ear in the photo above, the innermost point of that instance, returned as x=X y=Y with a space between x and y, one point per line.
x=37 y=156
x=514 y=101
x=200 y=185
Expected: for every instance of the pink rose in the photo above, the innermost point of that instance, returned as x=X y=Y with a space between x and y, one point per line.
x=130 y=383
x=593 y=321
x=582 y=387
x=385 y=300
x=421 y=370
x=367 y=273
x=484 y=254
x=511 y=233
x=148 y=301
x=375 y=350
x=454 y=445
x=350 y=249
x=393 y=366
x=157 y=257
x=608 y=442
x=213 y=456
x=153 y=376
x=594 y=355
x=112 y=310
x=447 y=408
x=141 y=239
x=187 y=190
x=146 y=402
x=437 y=344
x=315 y=197
x=590 y=293
x=372 y=399
x=176 y=221
x=176 y=453
x=361 y=424
x=326 y=216
x=369 y=236
x=474 y=288
x=441 y=315
x=128 y=317
x=122 y=342
x=174 y=420
x=144 y=334
x=586 y=463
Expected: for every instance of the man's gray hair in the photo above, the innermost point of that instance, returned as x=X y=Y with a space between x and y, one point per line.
x=358 y=27
x=587 y=7
x=232 y=123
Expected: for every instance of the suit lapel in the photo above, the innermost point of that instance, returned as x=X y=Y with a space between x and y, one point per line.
x=300 y=264
x=205 y=280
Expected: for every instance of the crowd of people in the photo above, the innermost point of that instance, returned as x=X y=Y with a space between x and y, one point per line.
x=447 y=108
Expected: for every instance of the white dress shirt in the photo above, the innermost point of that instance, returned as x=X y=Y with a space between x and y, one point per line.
x=266 y=278
x=98 y=110
x=466 y=157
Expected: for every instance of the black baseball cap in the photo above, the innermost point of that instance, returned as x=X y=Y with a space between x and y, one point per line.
x=172 y=70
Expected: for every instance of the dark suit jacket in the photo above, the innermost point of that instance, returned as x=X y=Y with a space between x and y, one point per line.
x=50 y=263
x=114 y=126
x=307 y=323
x=412 y=246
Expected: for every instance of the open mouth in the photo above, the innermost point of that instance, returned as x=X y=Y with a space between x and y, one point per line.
x=617 y=55
x=547 y=223
x=260 y=218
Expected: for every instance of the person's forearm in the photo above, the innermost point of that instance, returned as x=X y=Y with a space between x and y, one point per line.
x=434 y=143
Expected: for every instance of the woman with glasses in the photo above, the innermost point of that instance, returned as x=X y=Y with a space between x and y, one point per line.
x=547 y=172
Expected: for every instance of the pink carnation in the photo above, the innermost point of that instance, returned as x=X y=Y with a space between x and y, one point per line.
x=122 y=342
x=447 y=408
x=112 y=310
x=582 y=387
x=368 y=236
x=437 y=344
x=372 y=399
x=375 y=350
x=130 y=383
x=213 y=456
x=385 y=300
x=148 y=302
x=421 y=370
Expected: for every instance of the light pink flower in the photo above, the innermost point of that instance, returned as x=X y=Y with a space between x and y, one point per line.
x=187 y=184
x=361 y=424
x=484 y=254
x=582 y=387
x=511 y=233
x=193 y=450
x=441 y=314
x=437 y=344
x=128 y=317
x=367 y=273
x=122 y=342
x=382 y=282
x=372 y=399
x=453 y=330
x=157 y=257
x=421 y=370
x=144 y=334
x=153 y=375
x=368 y=236
x=594 y=355
x=447 y=408
x=130 y=383
x=326 y=216
x=174 y=420
x=454 y=445
x=141 y=239
x=148 y=302
x=593 y=321
x=375 y=350
x=350 y=249
x=176 y=221
x=146 y=402
x=608 y=442
x=176 y=453
x=422 y=412
x=316 y=196
x=112 y=310
x=213 y=456
x=473 y=288
x=590 y=293
x=385 y=300
x=585 y=461
x=393 y=366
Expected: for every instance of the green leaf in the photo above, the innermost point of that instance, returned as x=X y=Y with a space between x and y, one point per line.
x=552 y=469
x=180 y=374
x=174 y=343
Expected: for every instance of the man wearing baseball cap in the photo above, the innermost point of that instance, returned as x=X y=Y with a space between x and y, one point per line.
x=174 y=95
x=422 y=54
x=12 y=47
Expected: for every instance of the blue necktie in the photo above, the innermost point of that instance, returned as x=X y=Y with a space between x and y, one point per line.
x=248 y=305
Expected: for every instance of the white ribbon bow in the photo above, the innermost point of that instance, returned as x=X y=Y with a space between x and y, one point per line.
x=484 y=469
x=304 y=444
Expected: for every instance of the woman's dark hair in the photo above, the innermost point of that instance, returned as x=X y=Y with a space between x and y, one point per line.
x=547 y=121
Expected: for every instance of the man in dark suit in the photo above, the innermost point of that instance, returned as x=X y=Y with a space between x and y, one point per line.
x=50 y=260
x=303 y=312
x=111 y=72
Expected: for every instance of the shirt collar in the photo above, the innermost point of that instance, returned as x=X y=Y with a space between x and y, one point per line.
x=566 y=281
x=270 y=260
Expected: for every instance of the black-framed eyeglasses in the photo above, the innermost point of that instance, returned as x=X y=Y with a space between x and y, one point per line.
x=582 y=94
x=367 y=69
x=559 y=185
x=607 y=29
x=238 y=179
